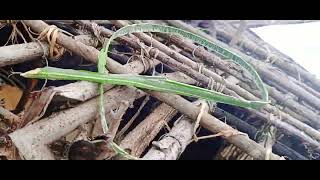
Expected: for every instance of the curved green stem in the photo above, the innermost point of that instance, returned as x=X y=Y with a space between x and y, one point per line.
x=155 y=83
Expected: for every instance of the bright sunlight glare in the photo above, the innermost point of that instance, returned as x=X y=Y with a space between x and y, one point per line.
x=301 y=42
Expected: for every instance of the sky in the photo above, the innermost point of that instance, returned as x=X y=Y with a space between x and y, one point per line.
x=301 y=42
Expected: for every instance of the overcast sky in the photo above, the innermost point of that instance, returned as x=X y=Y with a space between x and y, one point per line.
x=301 y=42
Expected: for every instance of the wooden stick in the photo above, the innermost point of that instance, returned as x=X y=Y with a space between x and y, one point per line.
x=177 y=102
x=273 y=92
x=19 y=53
x=236 y=37
x=137 y=140
x=243 y=126
x=6 y=114
x=283 y=64
x=174 y=143
x=204 y=80
x=264 y=70
x=295 y=106
x=32 y=140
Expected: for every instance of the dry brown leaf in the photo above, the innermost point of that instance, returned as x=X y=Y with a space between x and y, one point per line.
x=10 y=96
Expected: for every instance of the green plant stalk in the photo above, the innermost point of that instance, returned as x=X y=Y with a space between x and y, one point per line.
x=155 y=83
x=103 y=70
x=222 y=51
x=145 y=82
x=179 y=88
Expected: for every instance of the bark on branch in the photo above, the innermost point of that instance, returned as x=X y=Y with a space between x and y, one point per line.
x=184 y=106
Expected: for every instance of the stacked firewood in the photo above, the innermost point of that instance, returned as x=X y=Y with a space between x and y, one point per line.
x=153 y=125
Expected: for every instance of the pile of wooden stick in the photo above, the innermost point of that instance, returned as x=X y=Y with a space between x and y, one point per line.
x=293 y=115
